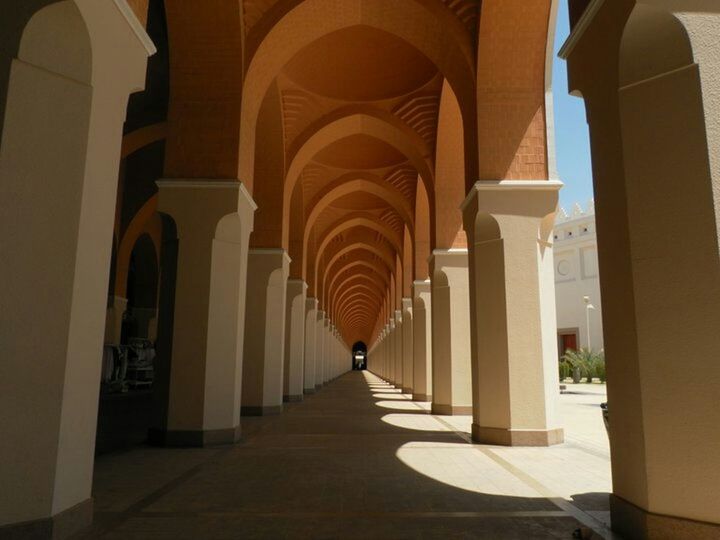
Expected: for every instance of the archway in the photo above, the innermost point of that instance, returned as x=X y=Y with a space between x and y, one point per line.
x=359 y=356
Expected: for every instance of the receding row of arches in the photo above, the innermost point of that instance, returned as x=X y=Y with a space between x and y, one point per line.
x=257 y=216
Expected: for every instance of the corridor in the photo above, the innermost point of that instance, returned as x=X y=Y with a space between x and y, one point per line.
x=356 y=460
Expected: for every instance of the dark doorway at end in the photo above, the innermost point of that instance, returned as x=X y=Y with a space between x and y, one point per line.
x=359 y=356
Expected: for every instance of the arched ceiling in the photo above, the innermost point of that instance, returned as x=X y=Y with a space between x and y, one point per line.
x=359 y=102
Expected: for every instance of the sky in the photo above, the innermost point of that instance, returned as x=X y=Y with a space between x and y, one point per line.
x=571 y=131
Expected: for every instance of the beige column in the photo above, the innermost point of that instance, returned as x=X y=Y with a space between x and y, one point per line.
x=336 y=363
x=391 y=351
x=319 y=348
x=214 y=221
x=378 y=367
x=407 y=346
x=514 y=337
x=311 y=312
x=387 y=353
x=654 y=117
x=451 y=383
x=294 y=370
x=263 y=377
x=422 y=342
x=385 y=362
x=398 y=342
x=66 y=103
x=327 y=351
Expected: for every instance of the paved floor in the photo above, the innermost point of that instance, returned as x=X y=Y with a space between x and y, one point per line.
x=361 y=460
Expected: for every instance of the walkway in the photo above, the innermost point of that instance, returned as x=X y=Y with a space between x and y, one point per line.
x=357 y=460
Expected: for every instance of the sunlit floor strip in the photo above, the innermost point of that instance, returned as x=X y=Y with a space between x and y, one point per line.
x=567 y=508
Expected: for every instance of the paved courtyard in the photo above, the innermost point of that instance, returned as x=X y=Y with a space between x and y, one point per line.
x=361 y=460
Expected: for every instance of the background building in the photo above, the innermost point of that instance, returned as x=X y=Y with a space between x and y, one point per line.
x=577 y=280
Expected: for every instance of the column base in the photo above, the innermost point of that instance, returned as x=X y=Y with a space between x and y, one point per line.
x=450 y=410
x=308 y=391
x=422 y=397
x=407 y=390
x=267 y=410
x=517 y=437
x=631 y=521
x=294 y=398
x=58 y=527
x=194 y=438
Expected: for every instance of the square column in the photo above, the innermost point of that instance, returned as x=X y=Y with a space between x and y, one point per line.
x=451 y=386
x=319 y=348
x=422 y=342
x=59 y=162
x=386 y=353
x=391 y=351
x=515 y=376
x=407 y=346
x=214 y=222
x=398 y=344
x=327 y=352
x=263 y=376
x=311 y=310
x=294 y=370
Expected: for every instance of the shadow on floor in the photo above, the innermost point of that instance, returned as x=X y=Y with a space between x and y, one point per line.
x=343 y=464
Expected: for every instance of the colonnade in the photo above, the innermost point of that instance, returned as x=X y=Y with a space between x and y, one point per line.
x=283 y=239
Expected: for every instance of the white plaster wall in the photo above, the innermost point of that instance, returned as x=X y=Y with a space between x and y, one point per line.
x=577 y=276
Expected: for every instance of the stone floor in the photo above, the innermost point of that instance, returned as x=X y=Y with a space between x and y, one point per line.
x=361 y=460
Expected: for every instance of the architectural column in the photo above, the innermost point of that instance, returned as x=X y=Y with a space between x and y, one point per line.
x=654 y=117
x=327 y=356
x=311 y=313
x=386 y=353
x=67 y=97
x=398 y=342
x=319 y=348
x=514 y=336
x=451 y=383
x=294 y=369
x=422 y=342
x=407 y=346
x=391 y=351
x=265 y=332
x=214 y=222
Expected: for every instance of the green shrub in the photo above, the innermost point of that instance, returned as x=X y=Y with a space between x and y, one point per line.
x=584 y=363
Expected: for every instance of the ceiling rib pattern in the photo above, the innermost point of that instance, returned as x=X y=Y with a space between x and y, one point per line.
x=360 y=106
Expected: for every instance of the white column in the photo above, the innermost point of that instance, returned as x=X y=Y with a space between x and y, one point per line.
x=319 y=348
x=294 y=371
x=407 y=346
x=59 y=161
x=451 y=380
x=422 y=342
x=265 y=332
x=515 y=376
x=311 y=313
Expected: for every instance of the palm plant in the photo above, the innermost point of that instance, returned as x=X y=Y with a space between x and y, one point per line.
x=585 y=363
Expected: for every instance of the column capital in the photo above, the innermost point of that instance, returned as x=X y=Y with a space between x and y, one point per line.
x=511 y=197
x=194 y=201
x=297 y=284
x=272 y=252
x=420 y=287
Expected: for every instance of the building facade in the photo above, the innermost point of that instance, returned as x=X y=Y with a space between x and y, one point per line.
x=577 y=280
